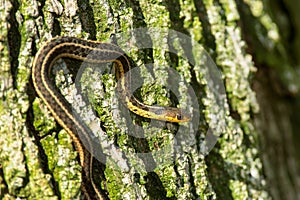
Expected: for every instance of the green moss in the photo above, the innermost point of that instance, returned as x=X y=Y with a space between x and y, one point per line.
x=155 y=13
x=115 y=184
x=44 y=122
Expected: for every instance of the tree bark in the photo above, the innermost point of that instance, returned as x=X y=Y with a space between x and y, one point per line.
x=255 y=155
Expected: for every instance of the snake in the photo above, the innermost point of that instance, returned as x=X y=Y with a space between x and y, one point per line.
x=92 y=52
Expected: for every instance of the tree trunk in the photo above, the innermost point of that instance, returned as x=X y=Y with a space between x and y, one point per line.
x=239 y=143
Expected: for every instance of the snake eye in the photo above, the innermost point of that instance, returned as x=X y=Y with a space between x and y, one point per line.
x=179 y=116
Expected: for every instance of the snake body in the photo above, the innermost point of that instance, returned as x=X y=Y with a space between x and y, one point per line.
x=93 y=52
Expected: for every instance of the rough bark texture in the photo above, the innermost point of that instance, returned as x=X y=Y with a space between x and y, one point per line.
x=254 y=44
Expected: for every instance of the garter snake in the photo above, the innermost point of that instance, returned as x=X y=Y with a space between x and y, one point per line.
x=93 y=52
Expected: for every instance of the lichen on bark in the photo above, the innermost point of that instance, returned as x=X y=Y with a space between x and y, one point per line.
x=39 y=160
